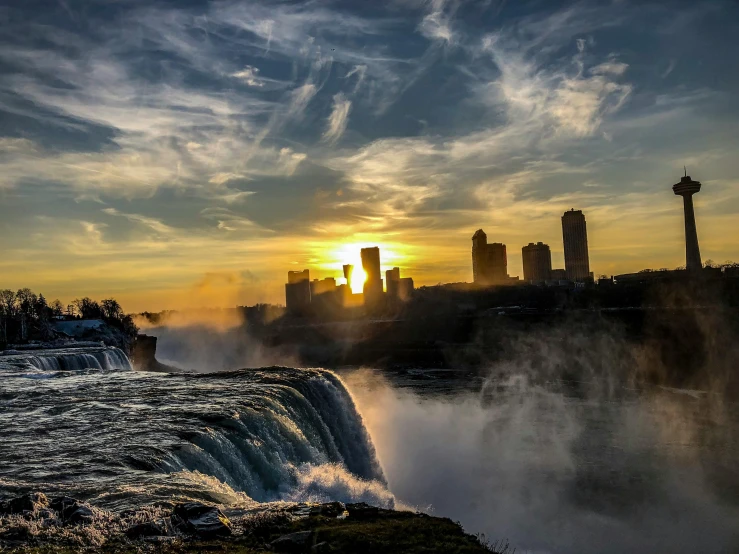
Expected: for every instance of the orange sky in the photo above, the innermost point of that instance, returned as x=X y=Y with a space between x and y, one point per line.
x=141 y=159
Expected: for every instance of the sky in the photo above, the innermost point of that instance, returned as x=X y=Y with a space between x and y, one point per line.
x=189 y=153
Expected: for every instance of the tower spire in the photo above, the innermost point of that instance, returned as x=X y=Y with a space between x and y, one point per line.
x=686 y=188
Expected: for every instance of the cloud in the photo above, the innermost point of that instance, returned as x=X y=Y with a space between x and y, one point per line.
x=436 y=24
x=436 y=27
x=579 y=104
x=300 y=98
x=670 y=66
x=612 y=67
x=235 y=197
x=567 y=101
x=216 y=132
x=228 y=220
x=360 y=71
x=250 y=76
x=154 y=224
x=338 y=119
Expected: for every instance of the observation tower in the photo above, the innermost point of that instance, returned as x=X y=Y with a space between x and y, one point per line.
x=687 y=188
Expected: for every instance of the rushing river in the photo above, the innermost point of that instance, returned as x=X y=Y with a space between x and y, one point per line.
x=548 y=467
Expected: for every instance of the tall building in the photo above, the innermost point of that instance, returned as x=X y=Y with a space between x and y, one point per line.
x=398 y=288
x=322 y=286
x=405 y=288
x=298 y=276
x=575 y=239
x=479 y=256
x=687 y=188
x=371 y=263
x=297 y=292
x=558 y=275
x=537 y=262
x=489 y=261
x=392 y=282
x=348 y=270
x=497 y=263
x=324 y=295
x=373 y=281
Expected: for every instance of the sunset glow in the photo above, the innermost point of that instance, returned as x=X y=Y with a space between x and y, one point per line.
x=350 y=253
x=285 y=145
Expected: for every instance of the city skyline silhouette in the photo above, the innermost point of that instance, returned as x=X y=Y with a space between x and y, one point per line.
x=169 y=170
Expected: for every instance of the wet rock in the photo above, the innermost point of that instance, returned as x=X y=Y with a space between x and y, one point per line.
x=331 y=509
x=362 y=510
x=16 y=534
x=328 y=509
x=81 y=514
x=293 y=542
x=72 y=511
x=30 y=502
x=202 y=520
x=148 y=529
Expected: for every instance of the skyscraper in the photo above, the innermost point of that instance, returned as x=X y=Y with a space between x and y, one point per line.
x=537 y=262
x=392 y=282
x=297 y=291
x=497 y=263
x=575 y=239
x=373 y=281
x=371 y=263
x=489 y=261
x=687 y=188
x=479 y=256
x=323 y=286
x=298 y=276
x=348 y=270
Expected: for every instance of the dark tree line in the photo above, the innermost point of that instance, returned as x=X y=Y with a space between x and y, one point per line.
x=25 y=315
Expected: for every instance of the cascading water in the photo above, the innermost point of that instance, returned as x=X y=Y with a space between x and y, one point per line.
x=125 y=438
x=69 y=359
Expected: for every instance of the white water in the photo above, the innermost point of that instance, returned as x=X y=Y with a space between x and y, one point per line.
x=548 y=470
x=262 y=435
x=69 y=359
x=556 y=473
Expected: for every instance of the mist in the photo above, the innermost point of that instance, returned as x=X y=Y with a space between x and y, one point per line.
x=555 y=472
x=210 y=341
x=565 y=448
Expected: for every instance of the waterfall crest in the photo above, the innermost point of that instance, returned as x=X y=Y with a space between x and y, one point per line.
x=254 y=435
x=69 y=359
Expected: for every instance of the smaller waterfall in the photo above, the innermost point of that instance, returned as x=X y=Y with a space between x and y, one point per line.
x=70 y=359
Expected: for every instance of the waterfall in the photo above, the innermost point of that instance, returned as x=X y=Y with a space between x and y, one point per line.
x=71 y=359
x=268 y=446
x=270 y=434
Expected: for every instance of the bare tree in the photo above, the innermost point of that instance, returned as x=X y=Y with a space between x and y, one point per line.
x=87 y=308
x=7 y=303
x=57 y=308
x=111 y=309
x=26 y=299
x=7 y=311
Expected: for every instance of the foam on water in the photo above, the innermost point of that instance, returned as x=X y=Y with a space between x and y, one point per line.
x=247 y=436
x=69 y=359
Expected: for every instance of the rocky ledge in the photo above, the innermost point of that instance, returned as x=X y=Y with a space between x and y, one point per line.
x=33 y=523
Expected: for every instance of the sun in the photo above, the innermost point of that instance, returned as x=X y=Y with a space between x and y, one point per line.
x=336 y=255
x=349 y=254
x=358 y=278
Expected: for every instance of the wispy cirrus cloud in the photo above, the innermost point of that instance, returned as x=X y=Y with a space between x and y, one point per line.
x=250 y=75
x=246 y=130
x=338 y=119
